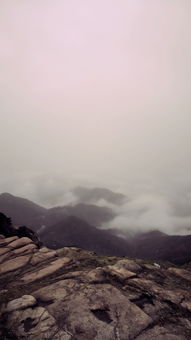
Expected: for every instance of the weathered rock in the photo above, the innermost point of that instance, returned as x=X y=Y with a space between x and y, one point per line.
x=2 y=236
x=14 y=264
x=5 y=241
x=24 y=249
x=122 y=270
x=48 y=270
x=119 y=273
x=5 y=257
x=43 y=256
x=4 y=250
x=69 y=251
x=129 y=265
x=187 y=305
x=29 y=233
x=44 y=250
x=160 y=333
x=79 y=296
x=149 y=266
x=146 y=285
x=53 y=292
x=29 y=248
x=21 y=242
x=21 y=303
x=185 y=274
x=34 y=324
x=175 y=296
x=95 y=275
x=102 y=309
x=185 y=323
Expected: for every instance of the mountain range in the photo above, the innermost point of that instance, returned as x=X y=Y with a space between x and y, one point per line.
x=24 y=211
x=78 y=225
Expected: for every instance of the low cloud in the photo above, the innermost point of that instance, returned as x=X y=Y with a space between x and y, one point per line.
x=154 y=212
x=46 y=190
x=165 y=207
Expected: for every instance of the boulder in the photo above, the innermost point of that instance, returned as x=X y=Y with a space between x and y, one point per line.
x=118 y=273
x=129 y=265
x=21 y=303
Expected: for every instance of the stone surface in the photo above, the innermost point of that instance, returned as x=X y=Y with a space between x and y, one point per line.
x=14 y=264
x=160 y=333
x=30 y=248
x=96 y=275
x=130 y=265
x=21 y=242
x=174 y=296
x=185 y=274
x=35 y=324
x=48 y=270
x=187 y=305
x=21 y=303
x=102 y=308
x=119 y=273
x=53 y=292
x=5 y=241
x=149 y=266
x=44 y=250
x=5 y=257
x=43 y=256
x=4 y=250
x=73 y=294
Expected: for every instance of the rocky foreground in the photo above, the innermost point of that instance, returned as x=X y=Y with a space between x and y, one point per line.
x=75 y=294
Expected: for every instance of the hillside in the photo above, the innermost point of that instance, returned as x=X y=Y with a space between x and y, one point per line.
x=22 y=211
x=72 y=231
x=76 y=226
x=73 y=294
x=90 y=213
x=160 y=246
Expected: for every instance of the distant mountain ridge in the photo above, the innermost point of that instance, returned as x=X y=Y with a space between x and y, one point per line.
x=160 y=246
x=76 y=226
x=90 y=213
x=74 y=232
x=21 y=210
x=24 y=211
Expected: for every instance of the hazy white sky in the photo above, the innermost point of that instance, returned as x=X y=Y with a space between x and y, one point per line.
x=96 y=90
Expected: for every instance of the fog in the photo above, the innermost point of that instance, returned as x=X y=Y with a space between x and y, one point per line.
x=97 y=93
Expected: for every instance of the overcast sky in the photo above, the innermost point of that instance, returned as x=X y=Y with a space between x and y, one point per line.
x=97 y=91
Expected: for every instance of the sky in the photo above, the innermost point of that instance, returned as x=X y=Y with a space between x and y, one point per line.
x=98 y=93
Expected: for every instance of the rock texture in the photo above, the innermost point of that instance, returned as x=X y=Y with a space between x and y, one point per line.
x=73 y=294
